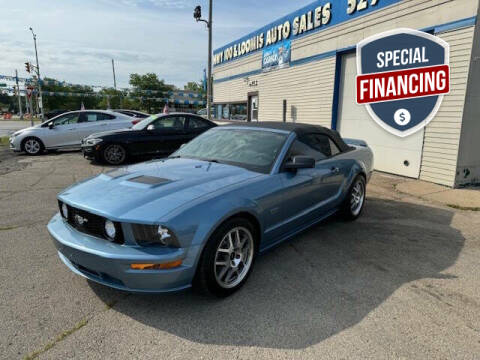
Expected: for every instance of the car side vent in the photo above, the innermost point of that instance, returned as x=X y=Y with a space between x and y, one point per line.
x=149 y=180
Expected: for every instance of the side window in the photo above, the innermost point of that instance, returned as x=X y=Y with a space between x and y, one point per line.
x=323 y=144
x=90 y=117
x=170 y=122
x=67 y=119
x=103 y=116
x=302 y=148
x=196 y=123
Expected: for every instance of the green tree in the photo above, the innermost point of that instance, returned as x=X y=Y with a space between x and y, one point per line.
x=150 y=81
x=68 y=102
x=116 y=99
x=195 y=86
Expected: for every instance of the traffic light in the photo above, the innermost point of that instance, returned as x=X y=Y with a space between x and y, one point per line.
x=197 y=13
x=27 y=67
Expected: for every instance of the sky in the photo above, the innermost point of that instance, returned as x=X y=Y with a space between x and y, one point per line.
x=78 y=38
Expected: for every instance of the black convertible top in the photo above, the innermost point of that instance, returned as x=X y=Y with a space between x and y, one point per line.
x=298 y=128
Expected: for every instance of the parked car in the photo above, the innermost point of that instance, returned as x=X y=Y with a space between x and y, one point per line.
x=54 y=113
x=66 y=131
x=203 y=112
x=132 y=113
x=156 y=136
x=202 y=215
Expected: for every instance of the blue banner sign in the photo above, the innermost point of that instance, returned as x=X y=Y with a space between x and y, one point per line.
x=276 y=56
x=317 y=16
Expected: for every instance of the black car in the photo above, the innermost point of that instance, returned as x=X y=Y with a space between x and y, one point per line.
x=156 y=136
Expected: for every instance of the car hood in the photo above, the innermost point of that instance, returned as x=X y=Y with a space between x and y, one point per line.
x=147 y=192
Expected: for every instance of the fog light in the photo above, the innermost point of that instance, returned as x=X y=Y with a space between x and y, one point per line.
x=65 y=211
x=169 y=265
x=110 y=229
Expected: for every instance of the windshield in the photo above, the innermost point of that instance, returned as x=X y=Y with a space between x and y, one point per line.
x=143 y=124
x=252 y=149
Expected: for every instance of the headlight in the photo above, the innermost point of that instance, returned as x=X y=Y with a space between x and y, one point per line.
x=15 y=134
x=92 y=142
x=154 y=235
x=110 y=229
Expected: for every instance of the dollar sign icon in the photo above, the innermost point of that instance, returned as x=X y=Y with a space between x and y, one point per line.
x=402 y=117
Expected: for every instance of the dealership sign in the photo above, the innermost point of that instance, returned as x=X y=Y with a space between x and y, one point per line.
x=402 y=77
x=276 y=57
x=317 y=16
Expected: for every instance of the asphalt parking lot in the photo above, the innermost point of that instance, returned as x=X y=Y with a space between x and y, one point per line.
x=401 y=282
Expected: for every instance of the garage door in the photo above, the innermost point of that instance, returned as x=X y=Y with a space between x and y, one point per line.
x=393 y=154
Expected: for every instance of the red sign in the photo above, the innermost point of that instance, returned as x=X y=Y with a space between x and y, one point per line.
x=403 y=84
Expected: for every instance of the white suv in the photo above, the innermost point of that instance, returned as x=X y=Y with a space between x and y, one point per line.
x=67 y=130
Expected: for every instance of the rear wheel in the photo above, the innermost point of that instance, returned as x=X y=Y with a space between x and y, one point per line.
x=114 y=154
x=32 y=146
x=355 y=199
x=227 y=259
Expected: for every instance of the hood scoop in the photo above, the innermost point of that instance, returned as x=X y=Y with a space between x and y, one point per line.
x=114 y=174
x=149 y=180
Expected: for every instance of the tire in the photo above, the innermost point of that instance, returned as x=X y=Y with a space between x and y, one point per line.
x=114 y=154
x=355 y=200
x=32 y=146
x=213 y=278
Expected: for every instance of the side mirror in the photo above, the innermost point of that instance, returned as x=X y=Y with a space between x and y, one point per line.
x=151 y=127
x=51 y=125
x=300 y=162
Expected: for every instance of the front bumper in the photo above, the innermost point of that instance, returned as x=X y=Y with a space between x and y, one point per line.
x=90 y=152
x=109 y=264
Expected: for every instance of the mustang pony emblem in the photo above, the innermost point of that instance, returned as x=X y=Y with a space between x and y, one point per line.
x=80 y=220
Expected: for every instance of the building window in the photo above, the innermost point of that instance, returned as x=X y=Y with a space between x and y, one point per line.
x=236 y=111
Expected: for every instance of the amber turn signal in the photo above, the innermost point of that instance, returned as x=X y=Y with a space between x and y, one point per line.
x=169 y=265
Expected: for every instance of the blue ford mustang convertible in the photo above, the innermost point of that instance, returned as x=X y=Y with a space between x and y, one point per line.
x=201 y=216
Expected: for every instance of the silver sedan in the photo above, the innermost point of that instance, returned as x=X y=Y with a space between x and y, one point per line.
x=67 y=130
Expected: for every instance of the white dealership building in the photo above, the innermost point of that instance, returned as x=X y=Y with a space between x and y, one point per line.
x=313 y=81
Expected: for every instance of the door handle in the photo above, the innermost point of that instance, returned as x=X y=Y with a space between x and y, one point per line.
x=335 y=170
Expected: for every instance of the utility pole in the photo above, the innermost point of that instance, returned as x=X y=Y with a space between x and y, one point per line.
x=39 y=80
x=114 y=79
x=197 y=14
x=18 y=95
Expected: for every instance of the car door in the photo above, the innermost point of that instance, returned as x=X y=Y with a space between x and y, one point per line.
x=62 y=133
x=311 y=193
x=163 y=136
x=90 y=123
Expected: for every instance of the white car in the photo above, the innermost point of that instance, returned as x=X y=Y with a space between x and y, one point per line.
x=67 y=130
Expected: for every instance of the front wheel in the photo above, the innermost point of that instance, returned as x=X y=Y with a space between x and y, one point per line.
x=32 y=146
x=114 y=154
x=227 y=259
x=355 y=199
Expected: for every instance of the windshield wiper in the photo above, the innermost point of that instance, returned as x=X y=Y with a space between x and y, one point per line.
x=174 y=157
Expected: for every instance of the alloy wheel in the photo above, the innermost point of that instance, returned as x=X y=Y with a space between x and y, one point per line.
x=234 y=257
x=32 y=146
x=114 y=154
x=357 y=197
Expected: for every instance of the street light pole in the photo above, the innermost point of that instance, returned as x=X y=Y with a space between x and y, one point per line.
x=18 y=96
x=38 y=75
x=197 y=14
x=114 y=78
x=210 y=83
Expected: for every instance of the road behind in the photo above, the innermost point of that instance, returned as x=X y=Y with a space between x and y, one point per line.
x=402 y=282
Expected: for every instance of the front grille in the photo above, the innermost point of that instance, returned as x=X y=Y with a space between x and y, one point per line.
x=91 y=224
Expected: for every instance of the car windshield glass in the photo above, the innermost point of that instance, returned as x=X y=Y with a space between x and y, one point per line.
x=144 y=123
x=252 y=149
